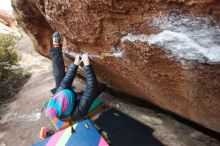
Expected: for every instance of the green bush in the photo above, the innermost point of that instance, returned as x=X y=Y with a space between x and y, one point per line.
x=7 y=53
x=10 y=73
x=8 y=56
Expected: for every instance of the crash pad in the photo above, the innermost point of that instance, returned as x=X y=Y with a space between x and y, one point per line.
x=84 y=134
x=122 y=130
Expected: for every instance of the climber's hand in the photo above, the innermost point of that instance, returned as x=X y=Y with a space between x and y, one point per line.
x=85 y=59
x=77 y=60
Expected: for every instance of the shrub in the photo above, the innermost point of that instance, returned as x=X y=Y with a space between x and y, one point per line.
x=11 y=76
x=8 y=56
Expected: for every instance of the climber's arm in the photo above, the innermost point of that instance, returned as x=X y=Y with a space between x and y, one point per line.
x=82 y=107
x=66 y=83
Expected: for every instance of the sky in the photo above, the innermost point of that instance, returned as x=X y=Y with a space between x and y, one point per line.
x=5 y=5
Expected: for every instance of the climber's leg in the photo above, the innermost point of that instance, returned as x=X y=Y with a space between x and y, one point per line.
x=57 y=60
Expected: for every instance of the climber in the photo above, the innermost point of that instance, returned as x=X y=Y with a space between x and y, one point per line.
x=64 y=103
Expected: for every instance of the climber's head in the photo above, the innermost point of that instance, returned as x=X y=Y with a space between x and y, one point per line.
x=57 y=39
x=61 y=104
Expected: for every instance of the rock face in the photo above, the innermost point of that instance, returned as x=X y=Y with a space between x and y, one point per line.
x=166 y=52
x=8 y=23
x=7 y=19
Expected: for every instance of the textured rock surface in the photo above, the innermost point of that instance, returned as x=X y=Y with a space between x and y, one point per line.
x=165 y=52
x=7 y=18
x=8 y=23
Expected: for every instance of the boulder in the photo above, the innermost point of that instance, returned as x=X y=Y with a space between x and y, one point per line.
x=7 y=18
x=8 y=23
x=166 y=52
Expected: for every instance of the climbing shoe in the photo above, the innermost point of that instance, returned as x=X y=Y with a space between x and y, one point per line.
x=57 y=40
x=45 y=132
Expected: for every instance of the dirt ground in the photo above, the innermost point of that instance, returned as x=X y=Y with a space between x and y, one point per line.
x=23 y=119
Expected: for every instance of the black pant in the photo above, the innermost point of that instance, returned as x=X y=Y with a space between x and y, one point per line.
x=58 y=65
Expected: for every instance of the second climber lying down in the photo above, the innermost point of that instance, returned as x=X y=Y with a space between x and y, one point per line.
x=64 y=103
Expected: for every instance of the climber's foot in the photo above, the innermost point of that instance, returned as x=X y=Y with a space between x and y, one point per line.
x=57 y=40
x=45 y=132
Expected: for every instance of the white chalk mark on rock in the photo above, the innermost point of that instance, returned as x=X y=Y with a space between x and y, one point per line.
x=14 y=117
x=117 y=54
x=186 y=39
x=33 y=117
x=180 y=45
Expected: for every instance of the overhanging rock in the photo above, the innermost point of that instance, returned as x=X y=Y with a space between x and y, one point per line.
x=166 y=52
